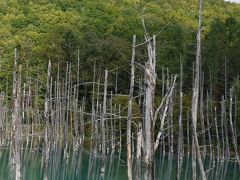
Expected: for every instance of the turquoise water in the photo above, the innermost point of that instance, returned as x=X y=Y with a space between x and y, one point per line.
x=81 y=164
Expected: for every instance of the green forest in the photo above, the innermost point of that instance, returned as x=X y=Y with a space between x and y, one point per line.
x=102 y=31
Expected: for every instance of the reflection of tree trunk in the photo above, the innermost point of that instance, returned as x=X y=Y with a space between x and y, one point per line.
x=45 y=163
x=193 y=158
x=15 y=148
x=138 y=155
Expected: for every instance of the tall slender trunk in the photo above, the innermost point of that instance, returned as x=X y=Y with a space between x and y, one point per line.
x=222 y=127
x=217 y=134
x=150 y=81
x=180 y=132
x=93 y=116
x=194 y=171
x=47 y=128
x=225 y=124
x=103 y=129
x=15 y=149
x=234 y=136
x=138 y=155
x=209 y=126
x=202 y=117
x=195 y=95
x=129 y=120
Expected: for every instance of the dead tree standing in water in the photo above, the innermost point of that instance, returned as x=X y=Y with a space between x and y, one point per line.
x=103 y=129
x=15 y=154
x=47 y=128
x=195 y=95
x=129 y=120
x=150 y=82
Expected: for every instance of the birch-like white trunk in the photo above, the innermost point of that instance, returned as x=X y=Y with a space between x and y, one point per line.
x=180 y=126
x=47 y=128
x=234 y=136
x=15 y=144
x=103 y=129
x=150 y=82
x=129 y=120
x=195 y=95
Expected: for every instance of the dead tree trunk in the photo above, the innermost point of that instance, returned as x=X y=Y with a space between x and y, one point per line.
x=234 y=136
x=222 y=127
x=103 y=129
x=180 y=132
x=217 y=136
x=202 y=117
x=209 y=126
x=47 y=129
x=129 y=120
x=150 y=82
x=15 y=155
x=193 y=157
x=139 y=153
x=93 y=111
x=164 y=114
x=225 y=124
x=195 y=95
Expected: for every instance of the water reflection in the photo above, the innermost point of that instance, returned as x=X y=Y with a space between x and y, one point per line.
x=79 y=163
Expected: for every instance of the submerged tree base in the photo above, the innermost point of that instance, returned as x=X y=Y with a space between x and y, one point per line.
x=81 y=163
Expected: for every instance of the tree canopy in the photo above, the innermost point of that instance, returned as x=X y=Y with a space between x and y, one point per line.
x=102 y=31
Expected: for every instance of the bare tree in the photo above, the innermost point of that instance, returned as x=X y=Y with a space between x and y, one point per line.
x=103 y=128
x=150 y=82
x=195 y=95
x=129 y=120
x=47 y=128
x=15 y=153
x=180 y=132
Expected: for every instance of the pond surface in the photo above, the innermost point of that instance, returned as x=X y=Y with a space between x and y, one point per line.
x=78 y=163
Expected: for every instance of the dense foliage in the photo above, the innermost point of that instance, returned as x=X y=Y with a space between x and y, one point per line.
x=102 y=32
